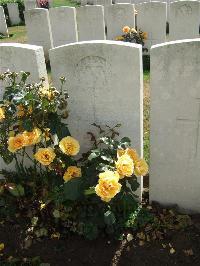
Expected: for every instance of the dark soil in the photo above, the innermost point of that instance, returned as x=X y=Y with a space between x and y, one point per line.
x=75 y=251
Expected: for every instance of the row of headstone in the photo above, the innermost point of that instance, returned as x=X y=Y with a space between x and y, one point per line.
x=94 y=71
x=64 y=25
x=30 y=4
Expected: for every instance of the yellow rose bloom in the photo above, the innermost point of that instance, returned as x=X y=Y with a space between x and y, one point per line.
x=126 y=29
x=108 y=185
x=69 y=146
x=131 y=152
x=72 y=172
x=141 y=168
x=45 y=155
x=32 y=137
x=16 y=143
x=125 y=166
x=2 y=113
x=46 y=92
x=144 y=35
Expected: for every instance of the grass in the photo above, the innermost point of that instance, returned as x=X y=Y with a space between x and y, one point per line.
x=17 y=34
x=57 y=3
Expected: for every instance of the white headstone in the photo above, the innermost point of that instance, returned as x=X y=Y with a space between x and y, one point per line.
x=122 y=1
x=103 y=2
x=21 y=57
x=152 y=18
x=63 y=25
x=105 y=86
x=13 y=12
x=175 y=124
x=3 y=24
x=90 y=21
x=30 y=4
x=39 y=29
x=184 y=18
x=118 y=16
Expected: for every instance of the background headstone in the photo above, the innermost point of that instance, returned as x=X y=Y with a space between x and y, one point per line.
x=105 y=86
x=184 y=20
x=117 y=16
x=21 y=57
x=30 y=4
x=152 y=18
x=90 y=23
x=175 y=124
x=39 y=29
x=3 y=24
x=13 y=12
x=63 y=25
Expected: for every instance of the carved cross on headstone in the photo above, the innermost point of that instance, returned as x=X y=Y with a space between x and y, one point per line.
x=197 y=127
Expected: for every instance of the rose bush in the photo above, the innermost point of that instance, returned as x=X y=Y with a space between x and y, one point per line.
x=89 y=194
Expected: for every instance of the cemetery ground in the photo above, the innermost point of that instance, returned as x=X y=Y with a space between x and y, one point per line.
x=170 y=239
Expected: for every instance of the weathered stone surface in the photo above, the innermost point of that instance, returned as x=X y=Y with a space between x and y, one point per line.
x=175 y=124
x=13 y=11
x=90 y=21
x=184 y=18
x=117 y=16
x=39 y=29
x=3 y=24
x=30 y=4
x=63 y=25
x=152 y=18
x=105 y=86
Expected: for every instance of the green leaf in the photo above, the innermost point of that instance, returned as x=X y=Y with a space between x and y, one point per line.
x=94 y=154
x=16 y=190
x=73 y=189
x=109 y=218
x=90 y=191
x=27 y=124
x=133 y=185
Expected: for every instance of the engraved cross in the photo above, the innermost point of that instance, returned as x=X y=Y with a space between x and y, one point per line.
x=197 y=126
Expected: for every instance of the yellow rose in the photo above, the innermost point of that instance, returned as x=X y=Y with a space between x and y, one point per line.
x=125 y=166
x=16 y=143
x=46 y=92
x=2 y=113
x=72 y=172
x=32 y=137
x=131 y=152
x=144 y=35
x=126 y=29
x=140 y=168
x=45 y=155
x=108 y=185
x=69 y=146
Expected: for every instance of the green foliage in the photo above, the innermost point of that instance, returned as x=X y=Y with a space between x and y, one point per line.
x=57 y=187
